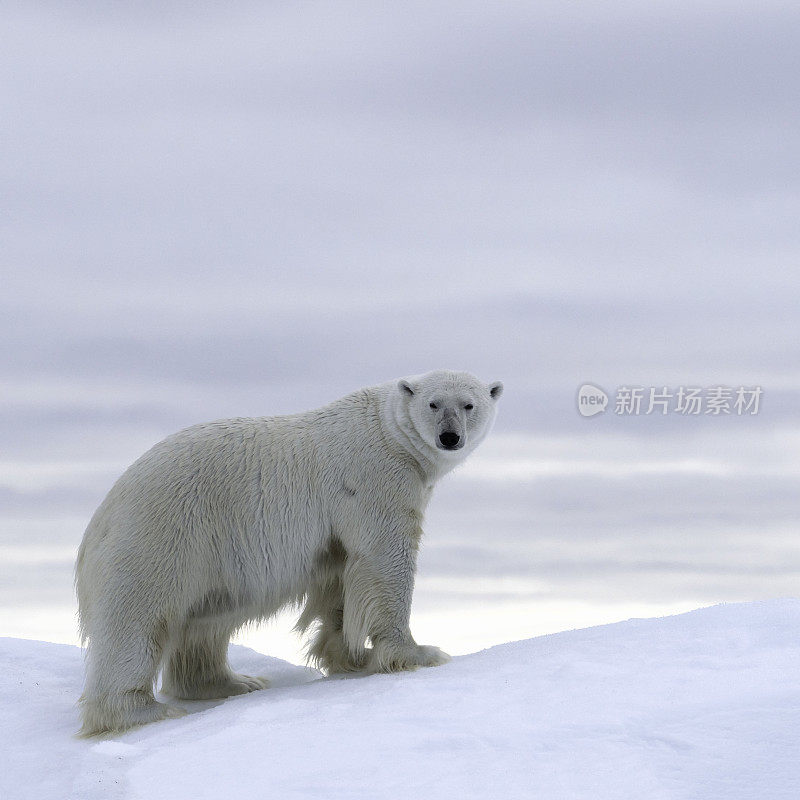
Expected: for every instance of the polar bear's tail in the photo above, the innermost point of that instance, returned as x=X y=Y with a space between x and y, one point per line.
x=82 y=592
x=89 y=575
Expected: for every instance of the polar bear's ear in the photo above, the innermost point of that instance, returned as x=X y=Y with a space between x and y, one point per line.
x=406 y=389
x=495 y=389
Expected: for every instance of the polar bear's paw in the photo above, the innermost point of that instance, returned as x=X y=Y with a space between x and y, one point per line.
x=242 y=684
x=431 y=656
x=407 y=657
x=114 y=713
x=225 y=686
x=329 y=652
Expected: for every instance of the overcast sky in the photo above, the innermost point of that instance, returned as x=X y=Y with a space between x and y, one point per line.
x=210 y=210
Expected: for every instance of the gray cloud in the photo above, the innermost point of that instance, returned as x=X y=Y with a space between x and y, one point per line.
x=211 y=212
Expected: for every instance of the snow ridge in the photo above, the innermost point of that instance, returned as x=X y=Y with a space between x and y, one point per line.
x=701 y=706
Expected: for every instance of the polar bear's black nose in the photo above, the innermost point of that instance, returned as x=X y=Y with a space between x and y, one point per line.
x=449 y=439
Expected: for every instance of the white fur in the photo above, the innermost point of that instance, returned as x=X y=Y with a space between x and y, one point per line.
x=227 y=522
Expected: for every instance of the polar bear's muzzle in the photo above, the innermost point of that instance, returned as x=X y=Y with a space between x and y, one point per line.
x=450 y=440
x=450 y=434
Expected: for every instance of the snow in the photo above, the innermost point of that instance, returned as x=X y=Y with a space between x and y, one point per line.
x=703 y=705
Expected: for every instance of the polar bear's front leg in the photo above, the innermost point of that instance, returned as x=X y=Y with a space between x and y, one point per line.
x=378 y=585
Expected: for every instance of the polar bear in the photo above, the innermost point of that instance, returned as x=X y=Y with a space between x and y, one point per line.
x=226 y=522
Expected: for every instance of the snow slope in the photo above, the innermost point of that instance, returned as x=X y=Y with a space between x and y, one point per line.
x=704 y=705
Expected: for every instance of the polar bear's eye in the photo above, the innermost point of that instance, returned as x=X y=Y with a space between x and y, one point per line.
x=433 y=406
x=468 y=407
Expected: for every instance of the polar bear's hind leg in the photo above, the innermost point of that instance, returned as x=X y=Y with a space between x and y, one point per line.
x=122 y=667
x=197 y=664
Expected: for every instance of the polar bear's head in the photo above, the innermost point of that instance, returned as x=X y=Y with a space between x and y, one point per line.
x=450 y=411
